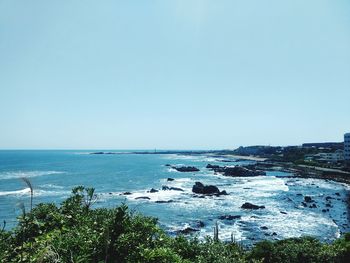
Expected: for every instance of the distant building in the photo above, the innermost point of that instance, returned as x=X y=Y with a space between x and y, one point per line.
x=325 y=145
x=347 y=147
x=332 y=157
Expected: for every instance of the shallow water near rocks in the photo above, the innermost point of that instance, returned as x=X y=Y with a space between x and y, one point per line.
x=54 y=173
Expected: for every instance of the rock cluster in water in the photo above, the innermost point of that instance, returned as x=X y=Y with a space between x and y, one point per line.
x=200 y=188
x=236 y=171
x=229 y=217
x=185 y=169
x=252 y=206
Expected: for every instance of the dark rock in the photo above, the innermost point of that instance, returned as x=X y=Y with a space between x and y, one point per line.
x=313 y=206
x=239 y=171
x=324 y=210
x=187 y=230
x=209 y=166
x=229 y=217
x=236 y=171
x=308 y=199
x=170 y=179
x=163 y=202
x=186 y=169
x=126 y=193
x=329 y=198
x=200 y=188
x=176 y=189
x=200 y=224
x=168 y=165
x=223 y=192
x=110 y=193
x=329 y=205
x=264 y=227
x=282 y=212
x=143 y=197
x=252 y=206
x=165 y=188
x=274 y=234
x=153 y=190
x=338 y=194
x=304 y=204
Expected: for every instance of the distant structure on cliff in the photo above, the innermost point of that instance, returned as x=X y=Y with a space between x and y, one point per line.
x=326 y=145
x=347 y=147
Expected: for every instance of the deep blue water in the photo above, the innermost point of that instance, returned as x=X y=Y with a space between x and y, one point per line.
x=54 y=173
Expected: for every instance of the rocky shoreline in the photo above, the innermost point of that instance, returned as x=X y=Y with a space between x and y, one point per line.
x=226 y=166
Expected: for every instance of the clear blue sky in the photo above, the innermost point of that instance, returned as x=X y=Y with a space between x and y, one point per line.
x=190 y=74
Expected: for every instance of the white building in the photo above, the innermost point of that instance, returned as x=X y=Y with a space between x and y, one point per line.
x=347 y=147
x=333 y=157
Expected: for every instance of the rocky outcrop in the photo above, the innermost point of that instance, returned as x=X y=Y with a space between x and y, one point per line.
x=236 y=171
x=187 y=230
x=210 y=166
x=200 y=224
x=163 y=201
x=229 y=217
x=170 y=179
x=186 y=169
x=308 y=199
x=153 y=191
x=282 y=212
x=252 y=206
x=143 y=197
x=239 y=171
x=167 y=188
x=200 y=188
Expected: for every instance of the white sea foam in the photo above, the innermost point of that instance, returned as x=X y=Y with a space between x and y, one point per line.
x=53 y=186
x=40 y=192
x=162 y=195
x=27 y=174
x=16 y=192
x=36 y=192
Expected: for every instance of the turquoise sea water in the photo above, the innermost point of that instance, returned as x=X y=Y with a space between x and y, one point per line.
x=54 y=173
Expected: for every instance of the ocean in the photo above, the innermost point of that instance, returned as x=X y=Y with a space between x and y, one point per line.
x=54 y=173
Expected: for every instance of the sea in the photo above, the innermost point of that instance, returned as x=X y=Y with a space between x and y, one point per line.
x=54 y=173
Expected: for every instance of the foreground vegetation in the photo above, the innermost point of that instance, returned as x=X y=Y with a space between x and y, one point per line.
x=74 y=232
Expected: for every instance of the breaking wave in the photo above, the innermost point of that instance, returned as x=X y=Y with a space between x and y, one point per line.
x=27 y=174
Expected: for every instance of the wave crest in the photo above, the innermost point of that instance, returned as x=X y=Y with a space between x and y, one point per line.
x=27 y=174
